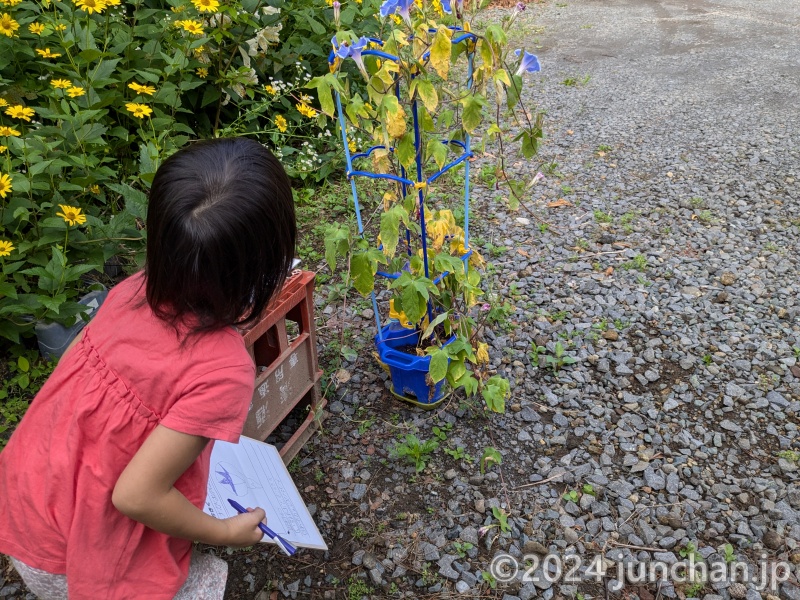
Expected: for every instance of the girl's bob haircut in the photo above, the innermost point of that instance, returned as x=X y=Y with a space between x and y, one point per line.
x=220 y=234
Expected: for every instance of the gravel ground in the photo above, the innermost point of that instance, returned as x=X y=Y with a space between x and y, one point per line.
x=669 y=274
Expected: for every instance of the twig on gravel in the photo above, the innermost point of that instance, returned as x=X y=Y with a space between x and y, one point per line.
x=645 y=548
x=527 y=485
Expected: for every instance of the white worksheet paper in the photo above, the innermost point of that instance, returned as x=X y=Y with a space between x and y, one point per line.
x=253 y=474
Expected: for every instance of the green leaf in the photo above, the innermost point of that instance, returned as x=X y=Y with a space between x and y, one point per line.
x=362 y=272
x=440 y=53
x=135 y=200
x=457 y=369
x=406 y=153
x=530 y=145
x=438 y=151
x=324 y=94
x=429 y=329
x=7 y=290
x=23 y=364
x=427 y=93
x=513 y=91
x=495 y=391
x=438 y=368
x=337 y=242
x=473 y=111
x=390 y=228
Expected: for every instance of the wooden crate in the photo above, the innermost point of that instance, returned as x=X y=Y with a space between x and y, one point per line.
x=283 y=344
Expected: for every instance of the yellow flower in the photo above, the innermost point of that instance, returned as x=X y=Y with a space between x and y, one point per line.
x=5 y=248
x=20 y=112
x=280 y=123
x=206 y=5
x=202 y=72
x=71 y=214
x=76 y=92
x=142 y=89
x=199 y=50
x=5 y=185
x=8 y=131
x=305 y=110
x=36 y=28
x=10 y=2
x=3 y=149
x=397 y=19
x=270 y=90
x=112 y=2
x=305 y=98
x=178 y=9
x=140 y=111
x=46 y=53
x=352 y=145
x=3 y=102
x=61 y=27
x=8 y=25
x=60 y=84
x=91 y=6
x=193 y=27
x=95 y=189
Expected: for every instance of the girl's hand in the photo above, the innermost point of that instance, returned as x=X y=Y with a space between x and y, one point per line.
x=243 y=529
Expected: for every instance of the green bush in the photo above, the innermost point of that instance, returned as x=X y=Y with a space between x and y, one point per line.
x=95 y=94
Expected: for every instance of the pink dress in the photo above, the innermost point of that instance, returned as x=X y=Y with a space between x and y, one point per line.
x=128 y=374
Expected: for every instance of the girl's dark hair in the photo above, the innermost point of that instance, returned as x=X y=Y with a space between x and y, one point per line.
x=220 y=234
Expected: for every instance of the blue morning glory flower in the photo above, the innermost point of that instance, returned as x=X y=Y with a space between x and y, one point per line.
x=529 y=63
x=355 y=54
x=389 y=7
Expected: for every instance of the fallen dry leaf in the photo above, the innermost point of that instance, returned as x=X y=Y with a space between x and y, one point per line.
x=522 y=252
x=569 y=132
x=343 y=375
x=609 y=271
x=559 y=202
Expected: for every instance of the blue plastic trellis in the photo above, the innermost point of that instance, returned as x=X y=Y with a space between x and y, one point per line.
x=421 y=183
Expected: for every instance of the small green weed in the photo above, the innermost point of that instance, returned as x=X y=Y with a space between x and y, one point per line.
x=690 y=551
x=559 y=359
x=459 y=454
x=705 y=217
x=462 y=548
x=697 y=202
x=415 y=451
x=638 y=262
x=488 y=577
x=502 y=519
x=728 y=553
x=490 y=455
x=602 y=217
x=357 y=588
x=790 y=455
x=707 y=359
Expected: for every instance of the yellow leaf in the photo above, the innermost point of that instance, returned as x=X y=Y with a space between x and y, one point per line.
x=395 y=117
x=482 y=354
x=502 y=75
x=380 y=161
x=440 y=53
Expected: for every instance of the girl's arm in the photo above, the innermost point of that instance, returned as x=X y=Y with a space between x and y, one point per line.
x=145 y=492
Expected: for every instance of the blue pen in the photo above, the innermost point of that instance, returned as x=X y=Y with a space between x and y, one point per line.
x=287 y=548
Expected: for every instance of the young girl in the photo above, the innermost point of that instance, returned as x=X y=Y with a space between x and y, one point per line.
x=104 y=480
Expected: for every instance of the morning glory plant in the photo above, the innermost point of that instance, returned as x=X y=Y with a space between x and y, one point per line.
x=438 y=91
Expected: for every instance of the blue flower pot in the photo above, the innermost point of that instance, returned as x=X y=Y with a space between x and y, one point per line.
x=409 y=372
